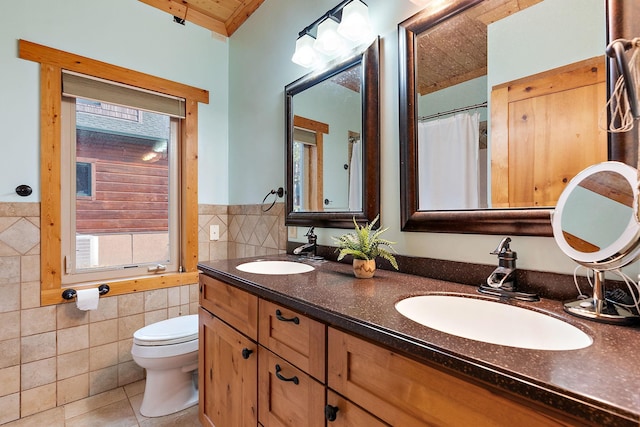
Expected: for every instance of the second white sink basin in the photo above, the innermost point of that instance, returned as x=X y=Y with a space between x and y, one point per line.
x=275 y=267
x=493 y=322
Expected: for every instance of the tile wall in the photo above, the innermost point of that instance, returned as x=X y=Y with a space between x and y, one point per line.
x=53 y=355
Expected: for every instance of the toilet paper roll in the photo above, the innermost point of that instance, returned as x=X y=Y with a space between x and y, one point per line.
x=87 y=299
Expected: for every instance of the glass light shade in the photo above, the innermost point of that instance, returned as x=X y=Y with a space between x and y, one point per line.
x=355 y=24
x=304 y=55
x=328 y=41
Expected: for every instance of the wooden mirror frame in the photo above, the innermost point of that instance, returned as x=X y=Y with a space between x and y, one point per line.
x=369 y=59
x=516 y=221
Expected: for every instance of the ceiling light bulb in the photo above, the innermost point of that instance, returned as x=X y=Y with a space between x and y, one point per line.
x=304 y=55
x=328 y=41
x=355 y=24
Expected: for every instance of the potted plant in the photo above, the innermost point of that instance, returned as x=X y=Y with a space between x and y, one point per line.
x=365 y=245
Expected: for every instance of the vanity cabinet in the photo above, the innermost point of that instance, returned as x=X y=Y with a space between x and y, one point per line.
x=288 y=396
x=291 y=368
x=349 y=415
x=228 y=355
x=264 y=364
x=407 y=393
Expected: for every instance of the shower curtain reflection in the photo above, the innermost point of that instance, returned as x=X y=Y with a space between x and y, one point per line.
x=449 y=141
x=355 y=177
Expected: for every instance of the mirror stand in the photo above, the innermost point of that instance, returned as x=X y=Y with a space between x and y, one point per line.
x=598 y=308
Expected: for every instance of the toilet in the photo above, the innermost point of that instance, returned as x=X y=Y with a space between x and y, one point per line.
x=168 y=350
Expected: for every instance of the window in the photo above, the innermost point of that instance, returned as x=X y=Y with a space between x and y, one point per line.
x=84 y=180
x=76 y=248
x=124 y=216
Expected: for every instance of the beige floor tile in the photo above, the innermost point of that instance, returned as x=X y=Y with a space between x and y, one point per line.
x=118 y=414
x=134 y=389
x=92 y=403
x=51 y=418
x=185 y=418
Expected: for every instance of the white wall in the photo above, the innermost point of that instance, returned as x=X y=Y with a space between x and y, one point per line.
x=260 y=68
x=127 y=33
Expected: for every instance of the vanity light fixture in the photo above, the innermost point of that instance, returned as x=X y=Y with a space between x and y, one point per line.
x=328 y=41
x=355 y=24
x=305 y=54
x=340 y=29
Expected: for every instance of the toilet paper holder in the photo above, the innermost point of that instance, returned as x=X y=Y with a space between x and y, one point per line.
x=70 y=294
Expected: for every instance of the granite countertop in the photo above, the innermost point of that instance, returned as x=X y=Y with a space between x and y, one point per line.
x=600 y=383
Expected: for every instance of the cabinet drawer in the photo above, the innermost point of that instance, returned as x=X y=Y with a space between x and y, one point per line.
x=349 y=415
x=288 y=397
x=235 y=306
x=403 y=392
x=295 y=337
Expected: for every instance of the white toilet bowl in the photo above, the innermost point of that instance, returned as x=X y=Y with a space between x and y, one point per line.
x=168 y=350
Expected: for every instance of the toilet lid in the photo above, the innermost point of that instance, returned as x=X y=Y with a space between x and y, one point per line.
x=171 y=331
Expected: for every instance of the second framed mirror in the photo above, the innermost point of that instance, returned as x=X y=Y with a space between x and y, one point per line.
x=500 y=104
x=333 y=144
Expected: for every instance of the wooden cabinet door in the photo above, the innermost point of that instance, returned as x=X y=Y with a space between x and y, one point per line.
x=403 y=392
x=295 y=337
x=235 y=306
x=228 y=371
x=349 y=415
x=544 y=130
x=288 y=396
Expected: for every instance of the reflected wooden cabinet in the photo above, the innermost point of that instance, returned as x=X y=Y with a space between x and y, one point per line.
x=544 y=130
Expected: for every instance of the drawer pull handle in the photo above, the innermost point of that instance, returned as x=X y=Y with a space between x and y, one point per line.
x=246 y=353
x=293 y=379
x=284 y=319
x=330 y=412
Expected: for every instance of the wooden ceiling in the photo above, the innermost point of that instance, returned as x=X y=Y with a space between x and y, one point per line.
x=460 y=45
x=223 y=17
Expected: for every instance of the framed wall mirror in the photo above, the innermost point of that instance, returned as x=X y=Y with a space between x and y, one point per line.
x=333 y=144
x=498 y=113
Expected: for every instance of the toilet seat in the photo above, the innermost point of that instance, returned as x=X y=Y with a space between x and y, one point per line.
x=167 y=332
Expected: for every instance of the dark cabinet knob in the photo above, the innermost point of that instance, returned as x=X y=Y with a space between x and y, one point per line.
x=246 y=353
x=330 y=412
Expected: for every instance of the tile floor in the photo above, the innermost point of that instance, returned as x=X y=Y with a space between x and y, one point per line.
x=115 y=408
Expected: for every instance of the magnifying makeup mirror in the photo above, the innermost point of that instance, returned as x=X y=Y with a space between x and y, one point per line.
x=595 y=224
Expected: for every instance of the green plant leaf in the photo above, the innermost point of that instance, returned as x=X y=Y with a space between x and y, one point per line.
x=365 y=243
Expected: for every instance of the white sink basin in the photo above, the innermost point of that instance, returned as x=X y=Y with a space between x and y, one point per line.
x=275 y=267
x=493 y=322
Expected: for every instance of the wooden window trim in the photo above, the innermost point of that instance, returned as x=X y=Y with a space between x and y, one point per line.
x=315 y=178
x=52 y=62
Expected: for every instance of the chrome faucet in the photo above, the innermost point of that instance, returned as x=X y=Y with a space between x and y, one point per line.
x=502 y=281
x=310 y=247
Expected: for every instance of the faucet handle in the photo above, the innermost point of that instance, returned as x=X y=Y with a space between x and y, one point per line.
x=503 y=247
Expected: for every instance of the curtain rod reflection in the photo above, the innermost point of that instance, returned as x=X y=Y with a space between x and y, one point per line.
x=456 y=110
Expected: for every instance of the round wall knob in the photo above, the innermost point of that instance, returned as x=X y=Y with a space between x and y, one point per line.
x=23 y=190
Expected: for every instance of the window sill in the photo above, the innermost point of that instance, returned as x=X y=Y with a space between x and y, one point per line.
x=127 y=286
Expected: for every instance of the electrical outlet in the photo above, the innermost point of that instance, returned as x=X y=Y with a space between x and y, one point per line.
x=214 y=232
